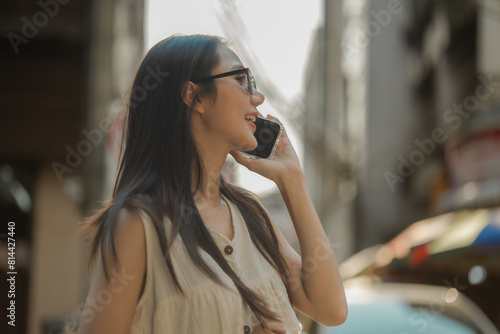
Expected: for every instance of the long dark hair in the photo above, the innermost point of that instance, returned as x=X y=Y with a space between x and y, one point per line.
x=157 y=164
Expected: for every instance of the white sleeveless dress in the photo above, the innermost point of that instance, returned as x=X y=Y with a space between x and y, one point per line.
x=209 y=308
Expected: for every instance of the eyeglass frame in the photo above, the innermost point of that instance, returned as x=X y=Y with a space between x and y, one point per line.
x=250 y=79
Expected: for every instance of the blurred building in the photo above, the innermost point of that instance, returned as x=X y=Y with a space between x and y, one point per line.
x=454 y=78
x=328 y=140
x=385 y=142
x=64 y=65
x=461 y=63
x=357 y=121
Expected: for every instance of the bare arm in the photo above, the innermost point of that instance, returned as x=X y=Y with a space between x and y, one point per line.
x=110 y=305
x=316 y=286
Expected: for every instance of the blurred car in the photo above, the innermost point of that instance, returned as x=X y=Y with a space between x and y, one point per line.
x=404 y=308
x=458 y=250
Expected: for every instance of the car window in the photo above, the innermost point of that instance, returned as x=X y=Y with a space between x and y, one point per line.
x=399 y=318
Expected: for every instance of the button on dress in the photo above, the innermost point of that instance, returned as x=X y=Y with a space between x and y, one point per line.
x=209 y=308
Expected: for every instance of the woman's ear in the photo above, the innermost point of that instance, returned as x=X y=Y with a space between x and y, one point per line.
x=190 y=97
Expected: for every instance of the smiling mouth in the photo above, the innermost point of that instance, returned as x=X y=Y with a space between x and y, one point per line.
x=250 y=118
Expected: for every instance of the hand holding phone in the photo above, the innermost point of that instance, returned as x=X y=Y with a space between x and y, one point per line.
x=286 y=162
x=268 y=134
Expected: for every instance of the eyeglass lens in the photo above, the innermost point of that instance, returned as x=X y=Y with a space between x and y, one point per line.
x=251 y=82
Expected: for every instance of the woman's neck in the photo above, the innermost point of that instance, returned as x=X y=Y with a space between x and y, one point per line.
x=208 y=194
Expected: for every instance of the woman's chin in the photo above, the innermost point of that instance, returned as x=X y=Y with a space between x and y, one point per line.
x=248 y=145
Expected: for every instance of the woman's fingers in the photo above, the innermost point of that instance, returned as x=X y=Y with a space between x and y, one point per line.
x=240 y=158
x=277 y=120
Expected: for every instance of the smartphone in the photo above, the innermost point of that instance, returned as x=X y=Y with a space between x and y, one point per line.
x=268 y=134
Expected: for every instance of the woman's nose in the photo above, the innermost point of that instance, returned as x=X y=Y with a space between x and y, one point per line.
x=257 y=98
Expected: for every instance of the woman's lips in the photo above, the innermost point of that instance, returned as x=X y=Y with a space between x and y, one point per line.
x=252 y=125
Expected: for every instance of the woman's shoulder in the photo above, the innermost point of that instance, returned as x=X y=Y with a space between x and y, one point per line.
x=129 y=246
x=129 y=224
x=130 y=238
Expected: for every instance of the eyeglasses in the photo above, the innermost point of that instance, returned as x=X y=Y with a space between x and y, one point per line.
x=251 y=86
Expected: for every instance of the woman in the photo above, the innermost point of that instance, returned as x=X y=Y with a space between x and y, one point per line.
x=181 y=250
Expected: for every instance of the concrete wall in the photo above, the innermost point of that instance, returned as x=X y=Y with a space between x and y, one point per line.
x=57 y=269
x=385 y=210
